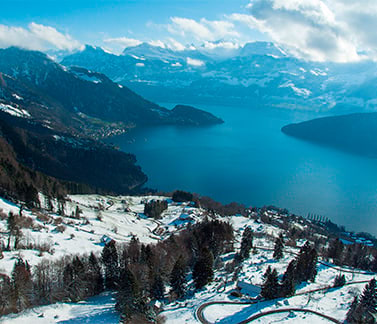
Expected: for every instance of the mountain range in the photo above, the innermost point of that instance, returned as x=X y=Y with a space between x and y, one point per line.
x=258 y=73
x=52 y=119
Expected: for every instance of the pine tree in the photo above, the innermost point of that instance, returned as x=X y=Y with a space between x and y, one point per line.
x=110 y=261
x=11 y=224
x=246 y=244
x=203 y=269
x=339 y=281
x=270 y=287
x=129 y=301
x=157 y=287
x=368 y=301
x=306 y=268
x=21 y=285
x=178 y=278
x=335 y=250
x=288 y=286
x=354 y=314
x=278 y=249
x=364 y=309
x=95 y=278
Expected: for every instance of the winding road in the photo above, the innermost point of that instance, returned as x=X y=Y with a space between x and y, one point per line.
x=201 y=308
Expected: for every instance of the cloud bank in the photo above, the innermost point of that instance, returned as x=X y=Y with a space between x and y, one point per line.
x=36 y=37
x=319 y=30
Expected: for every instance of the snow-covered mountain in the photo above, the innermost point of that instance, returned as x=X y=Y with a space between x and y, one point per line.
x=259 y=73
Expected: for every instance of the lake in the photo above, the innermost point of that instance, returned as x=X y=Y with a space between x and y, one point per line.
x=249 y=160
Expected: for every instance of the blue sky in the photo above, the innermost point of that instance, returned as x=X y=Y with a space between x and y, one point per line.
x=92 y=21
x=318 y=30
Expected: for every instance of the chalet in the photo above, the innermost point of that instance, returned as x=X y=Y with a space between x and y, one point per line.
x=249 y=289
x=106 y=239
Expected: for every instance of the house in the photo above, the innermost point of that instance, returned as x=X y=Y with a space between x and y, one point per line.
x=185 y=217
x=106 y=239
x=142 y=215
x=249 y=289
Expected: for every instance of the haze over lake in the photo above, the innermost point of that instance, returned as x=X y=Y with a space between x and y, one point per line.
x=248 y=159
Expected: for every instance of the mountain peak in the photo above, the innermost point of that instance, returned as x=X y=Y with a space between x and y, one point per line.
x=261 y=48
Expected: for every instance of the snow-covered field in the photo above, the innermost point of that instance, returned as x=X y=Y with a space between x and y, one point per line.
x=122 y=217
x=84 y=235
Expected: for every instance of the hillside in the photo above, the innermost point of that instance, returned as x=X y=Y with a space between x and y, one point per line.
x=77 y=97
x=354 y=133
x=89 y=163
x=56 y=239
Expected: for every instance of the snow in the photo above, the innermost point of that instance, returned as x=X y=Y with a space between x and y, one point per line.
x=98 y=309
x=14 y=111
x=120 y=217
x=194 y=62
x=16 y=96
x=138 y=57
x=84 y=234
x=84 y=76
x=299 y=91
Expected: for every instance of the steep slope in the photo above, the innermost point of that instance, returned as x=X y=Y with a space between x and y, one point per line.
x=78 y=91
x=91 y=165
x=354 y=133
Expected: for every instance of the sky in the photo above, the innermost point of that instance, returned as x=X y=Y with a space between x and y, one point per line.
x=317 y=30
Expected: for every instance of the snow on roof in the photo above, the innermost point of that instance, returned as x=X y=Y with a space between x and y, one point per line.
x=14 y=111
x=249 y=289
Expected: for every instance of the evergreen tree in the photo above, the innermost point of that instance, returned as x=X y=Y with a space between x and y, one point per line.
x=364 y=310
x=129 y=301
x=270 y=287
x=178 y=278
x=157 y=287
x=335 y=250
x=203 y=269
x=368 y=301
x=288 y=286
x=95 y=277
x=354 y=313
x=21 y=285
x=306 y=268
x=278 y=249
x=110 y=261
x=339 y=281
x=246 y=244
x=68 y=280
x=12 y=228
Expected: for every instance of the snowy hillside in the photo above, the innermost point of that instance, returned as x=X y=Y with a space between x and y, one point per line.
x=232 y=296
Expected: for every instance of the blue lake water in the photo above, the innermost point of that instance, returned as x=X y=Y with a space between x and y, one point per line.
x=248 y=159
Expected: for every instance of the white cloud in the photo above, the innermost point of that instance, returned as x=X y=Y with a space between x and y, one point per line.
x=36 y=37
x=320 y=30
x=194 y=62
x=157 y=43
x=203 y=30
x=123 y=41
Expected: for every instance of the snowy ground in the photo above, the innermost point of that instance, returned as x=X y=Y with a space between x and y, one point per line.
x=84 y=235
x=120 y=218
x=98 y=309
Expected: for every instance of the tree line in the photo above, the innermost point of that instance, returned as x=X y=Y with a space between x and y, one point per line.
x=137 y=273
